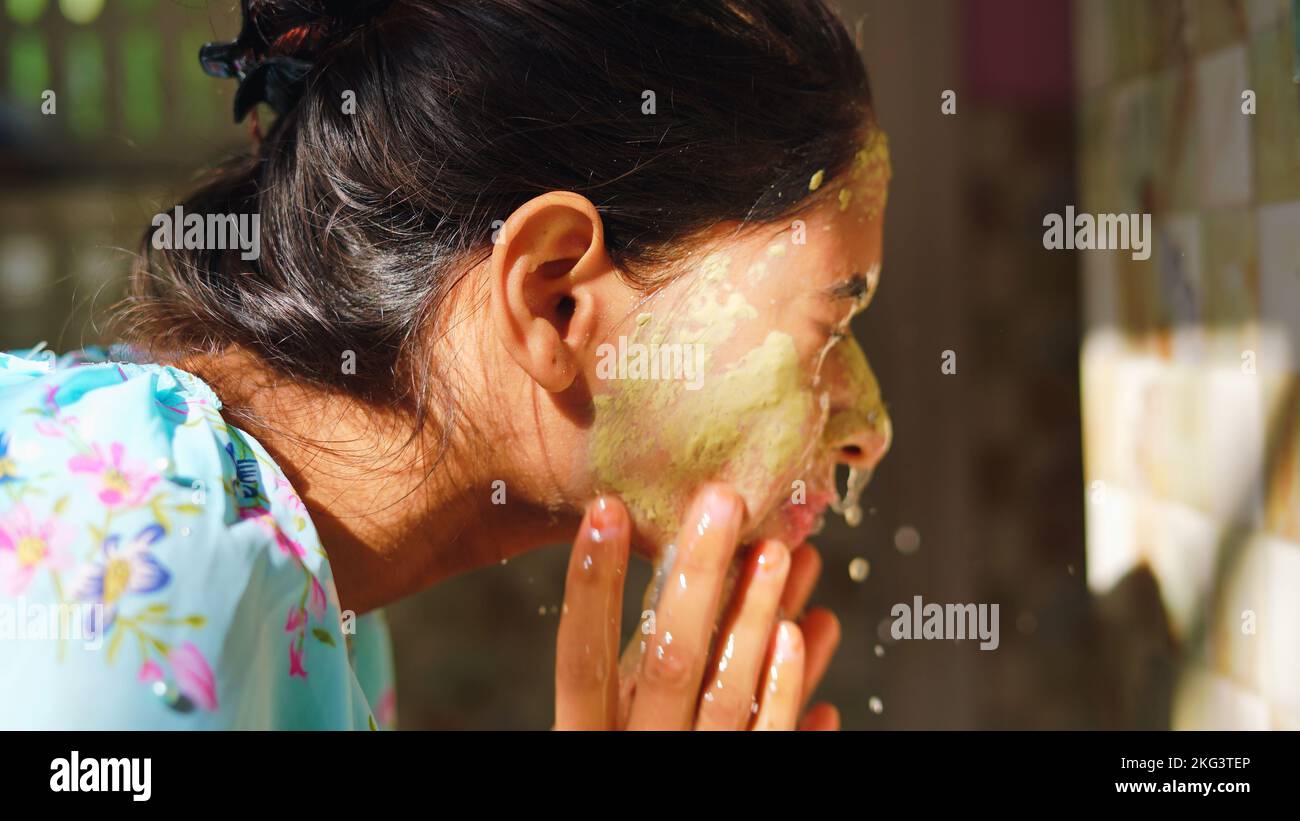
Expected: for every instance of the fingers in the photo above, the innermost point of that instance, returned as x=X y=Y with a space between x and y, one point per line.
x=728 y=697
x=668 y=681
x=821 y=635
x=586 y=653
x=805 y=568
x=782 y=692
x=821 y=717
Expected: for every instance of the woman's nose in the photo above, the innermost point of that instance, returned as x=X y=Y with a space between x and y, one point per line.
x=858 y=430
x=866 y=443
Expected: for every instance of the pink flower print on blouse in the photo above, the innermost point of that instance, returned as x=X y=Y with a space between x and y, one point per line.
x=386 y=709
x=316 y=600
x=121 y=483
x=296 y=654
x=264 y=519
x=194 y=677
x=122 y=570
x=150 y=672
x=53 y=419
x=296 y=621
x=27 y=545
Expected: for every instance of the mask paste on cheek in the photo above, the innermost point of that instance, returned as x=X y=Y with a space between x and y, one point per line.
x=637 y=415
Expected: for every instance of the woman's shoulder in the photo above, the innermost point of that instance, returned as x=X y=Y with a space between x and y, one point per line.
x=174 y=569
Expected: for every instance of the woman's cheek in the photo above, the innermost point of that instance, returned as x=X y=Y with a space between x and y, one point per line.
x=751 y=424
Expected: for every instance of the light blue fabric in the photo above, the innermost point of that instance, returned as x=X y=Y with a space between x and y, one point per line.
x=157 y=570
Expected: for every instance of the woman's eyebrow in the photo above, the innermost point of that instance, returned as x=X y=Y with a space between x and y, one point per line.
x=854 y=287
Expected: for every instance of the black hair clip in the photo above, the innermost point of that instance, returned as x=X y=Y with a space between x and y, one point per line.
x=277 y=81
x=222 y=60
x=277 y=44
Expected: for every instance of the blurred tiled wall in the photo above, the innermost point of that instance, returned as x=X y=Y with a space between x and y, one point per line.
x=130 y=119
x=1191 y=359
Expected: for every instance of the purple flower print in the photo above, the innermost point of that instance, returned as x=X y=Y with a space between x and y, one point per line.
x=27 y=545
x=121 y=483
x=122 y=570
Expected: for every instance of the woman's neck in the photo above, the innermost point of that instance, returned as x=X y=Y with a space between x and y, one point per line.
x=394 y=514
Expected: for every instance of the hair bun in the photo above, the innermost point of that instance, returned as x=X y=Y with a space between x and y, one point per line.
x=279 y=43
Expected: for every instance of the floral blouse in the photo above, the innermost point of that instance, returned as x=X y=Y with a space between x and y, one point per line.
x=157 y=570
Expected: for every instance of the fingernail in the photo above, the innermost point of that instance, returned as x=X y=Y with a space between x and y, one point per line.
x=605 y=522
x=774 y=557
x=721 y=507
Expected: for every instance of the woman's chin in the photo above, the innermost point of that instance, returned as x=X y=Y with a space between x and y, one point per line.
x=793 y=522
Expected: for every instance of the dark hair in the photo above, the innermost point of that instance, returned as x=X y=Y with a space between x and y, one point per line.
x=464 y=110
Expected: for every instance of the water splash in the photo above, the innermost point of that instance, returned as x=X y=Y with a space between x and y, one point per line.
x=849 y=505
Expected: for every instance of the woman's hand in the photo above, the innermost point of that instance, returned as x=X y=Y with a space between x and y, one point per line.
x=758 y=673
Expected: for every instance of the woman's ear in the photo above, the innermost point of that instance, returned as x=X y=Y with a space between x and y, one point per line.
x=549 y=273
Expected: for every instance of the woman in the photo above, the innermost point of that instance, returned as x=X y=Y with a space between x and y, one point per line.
x=523 y=266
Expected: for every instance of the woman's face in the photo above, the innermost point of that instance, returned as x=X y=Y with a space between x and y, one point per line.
x=743 y=369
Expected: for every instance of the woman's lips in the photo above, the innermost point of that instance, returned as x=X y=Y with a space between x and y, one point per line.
x=799 y=521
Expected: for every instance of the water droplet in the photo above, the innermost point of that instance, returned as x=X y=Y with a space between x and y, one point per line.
x=876 y=705
x=858 y=569
x=907 y=540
